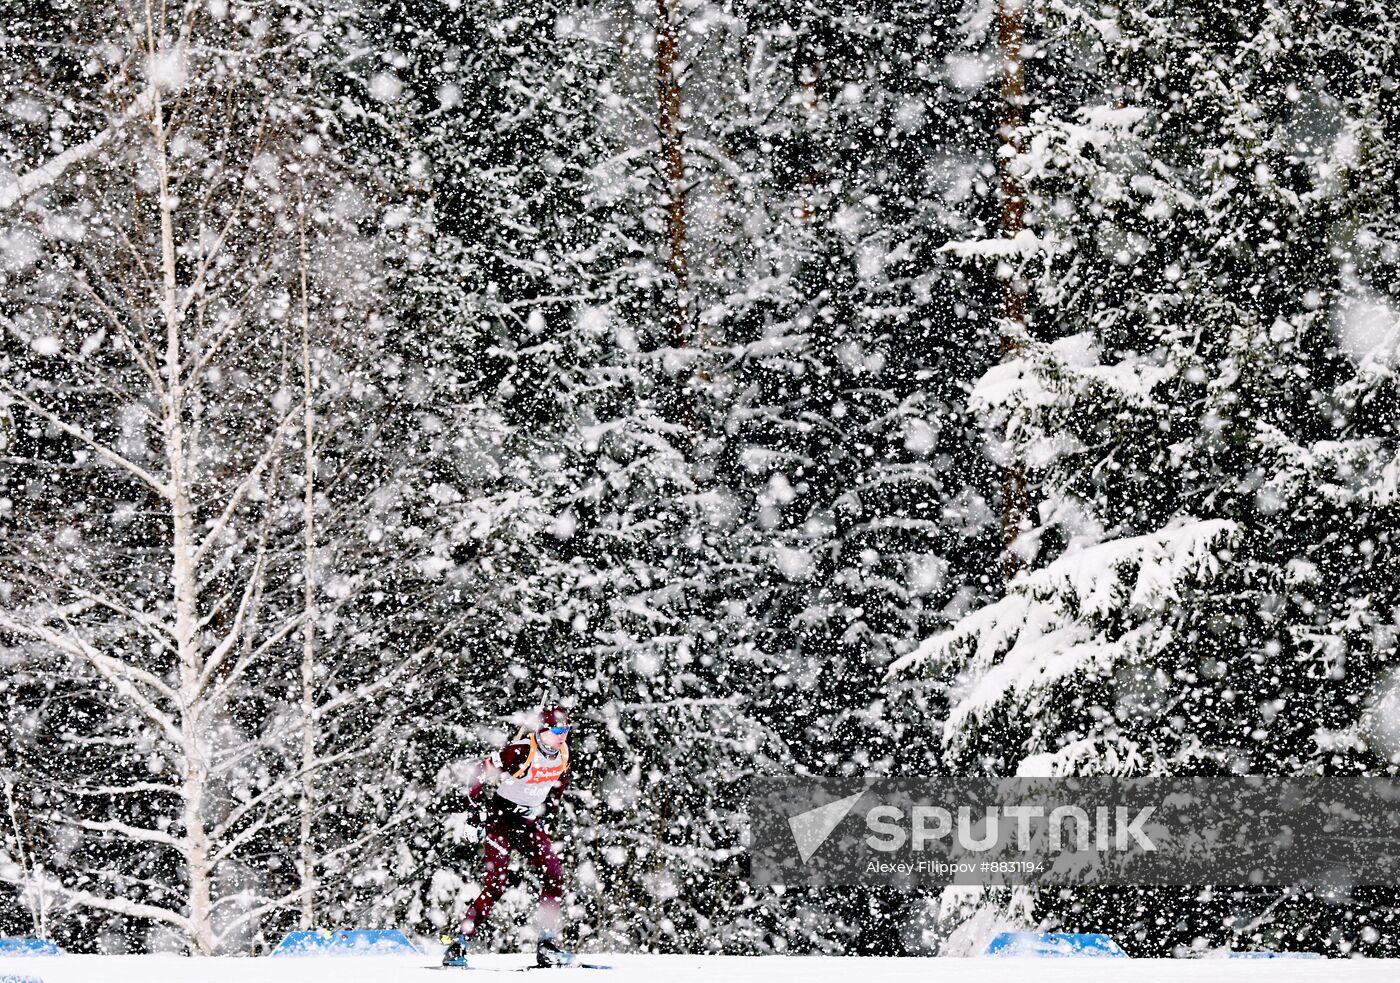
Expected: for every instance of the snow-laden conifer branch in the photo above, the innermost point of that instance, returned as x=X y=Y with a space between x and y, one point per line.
x=1054 y=624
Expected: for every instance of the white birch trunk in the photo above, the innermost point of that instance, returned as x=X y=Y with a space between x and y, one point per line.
x=174 y=664
x=183 y=576
x=33 y=882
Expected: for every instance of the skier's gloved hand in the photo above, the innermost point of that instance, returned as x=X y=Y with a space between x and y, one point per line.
x=464 y=826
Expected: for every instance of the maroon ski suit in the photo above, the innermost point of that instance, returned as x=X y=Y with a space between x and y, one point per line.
x=532 y=784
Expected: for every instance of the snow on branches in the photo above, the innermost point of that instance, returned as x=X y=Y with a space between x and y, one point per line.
x=1077 y=620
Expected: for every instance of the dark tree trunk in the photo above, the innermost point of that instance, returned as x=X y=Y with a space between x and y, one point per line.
x=1015 y=504
x=673 y=165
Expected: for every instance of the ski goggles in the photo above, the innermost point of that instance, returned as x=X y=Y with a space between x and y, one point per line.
x=559 y=730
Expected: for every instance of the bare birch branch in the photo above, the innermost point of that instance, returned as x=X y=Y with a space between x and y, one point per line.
x=246 y=485
x=120 y=906
x=52 y=169
x=107 y=667
x=249 y=658
x=140 y=834
x=160 y=488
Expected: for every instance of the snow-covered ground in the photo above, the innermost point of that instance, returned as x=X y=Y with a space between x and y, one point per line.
x=679 y=969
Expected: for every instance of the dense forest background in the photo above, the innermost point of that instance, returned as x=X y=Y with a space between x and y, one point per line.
x=789 y=387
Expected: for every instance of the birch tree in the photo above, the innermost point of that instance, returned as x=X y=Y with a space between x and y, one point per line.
x=159 y=376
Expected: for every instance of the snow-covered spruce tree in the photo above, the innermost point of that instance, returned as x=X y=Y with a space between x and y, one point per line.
x=658 y=375
x=725 y=333
x=1204 y=409
x=845 y=335
x=684 y=737
x=561 y=471
x=836 y=151
x=590 y=193
x=159 y=348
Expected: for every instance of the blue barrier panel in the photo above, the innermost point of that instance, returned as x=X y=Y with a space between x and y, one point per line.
x=28 y=947
x=352 y=942
x=1054 y=944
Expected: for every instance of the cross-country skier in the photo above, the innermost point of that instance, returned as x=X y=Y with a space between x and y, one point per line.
x=530 y=776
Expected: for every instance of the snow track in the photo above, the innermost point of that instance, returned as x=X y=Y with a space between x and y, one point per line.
x=680 y=969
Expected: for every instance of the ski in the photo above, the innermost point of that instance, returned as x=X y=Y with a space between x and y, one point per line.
x=572 y=964
x=519 y=969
